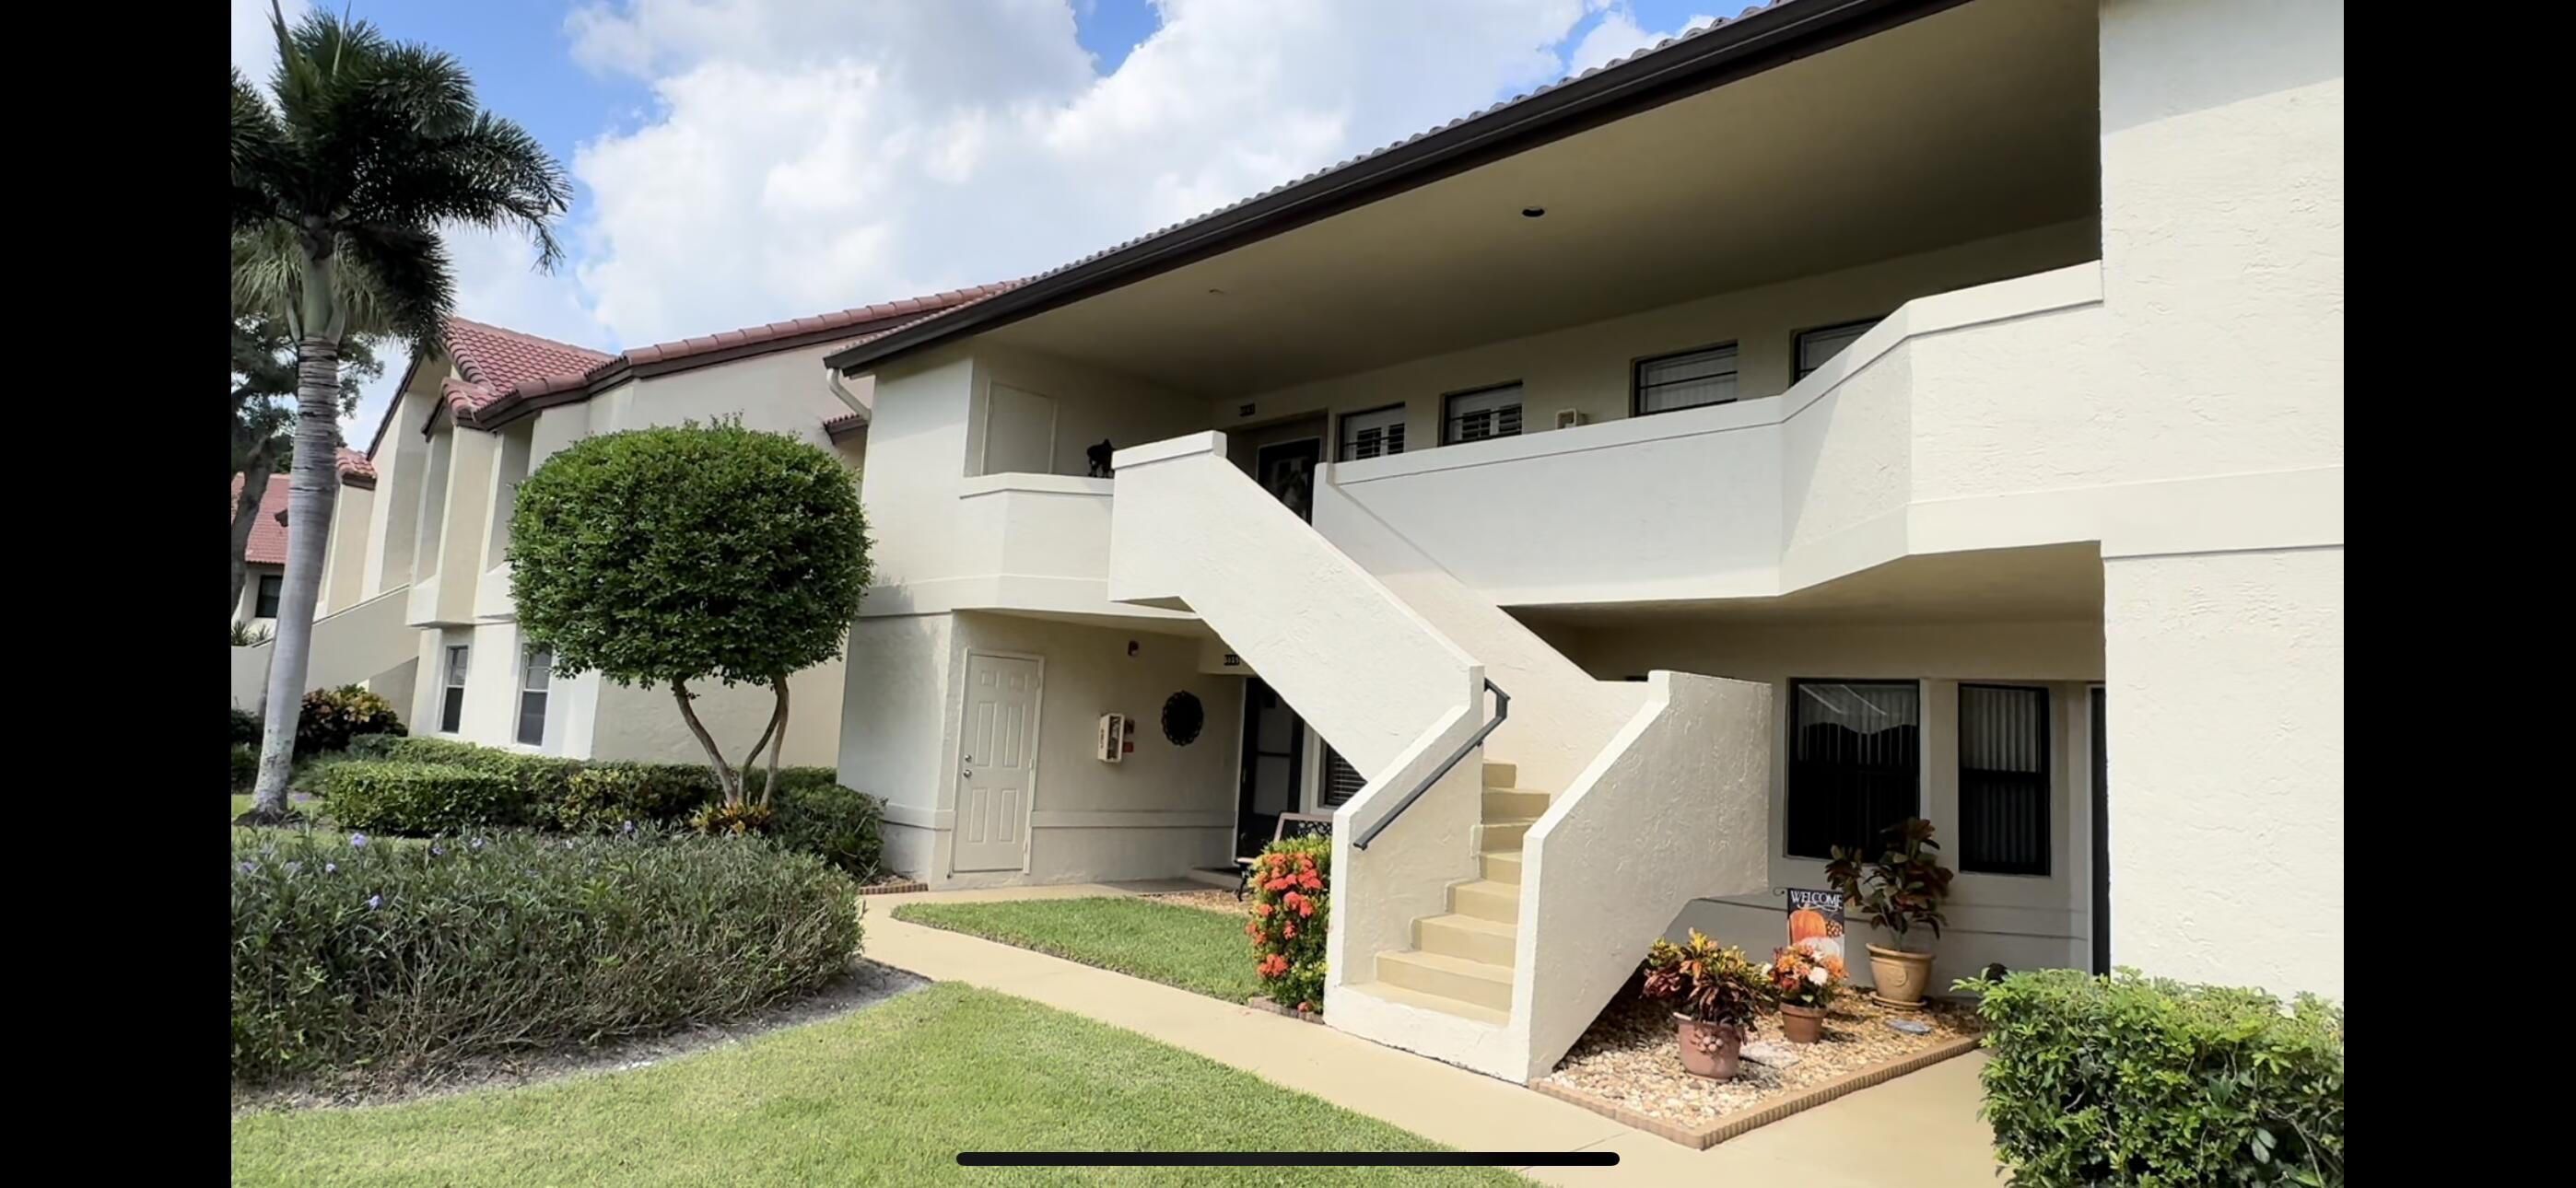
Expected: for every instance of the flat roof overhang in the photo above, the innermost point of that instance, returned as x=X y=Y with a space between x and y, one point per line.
x=1815 y=135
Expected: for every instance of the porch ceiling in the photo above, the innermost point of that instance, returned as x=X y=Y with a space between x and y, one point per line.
x=2049 y=583
x=1972 y=122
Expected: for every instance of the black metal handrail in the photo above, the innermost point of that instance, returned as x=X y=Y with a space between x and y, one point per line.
x=1502 y=710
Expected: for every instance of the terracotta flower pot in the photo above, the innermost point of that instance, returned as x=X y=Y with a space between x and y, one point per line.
x=1902 y=976
x=1711 y=1050
x=1802 y=1024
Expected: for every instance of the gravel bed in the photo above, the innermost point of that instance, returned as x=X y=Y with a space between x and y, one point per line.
x=1629 y=1058
x=1221 y=902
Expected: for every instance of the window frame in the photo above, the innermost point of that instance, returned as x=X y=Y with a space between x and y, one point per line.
x=267 y=595
x=1447 y=398
x=1637 y=377
x=527 y=666
x=1789 y=750
x=1798 y=370
x=2047 y=778
x=451 y=687
x=1341 y=448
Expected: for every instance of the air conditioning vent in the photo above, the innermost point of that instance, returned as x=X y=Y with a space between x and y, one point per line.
x=1567 y=418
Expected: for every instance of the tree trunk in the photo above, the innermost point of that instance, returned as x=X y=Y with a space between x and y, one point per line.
x=728 y=781
x=246 y=513
x=777 y=740
x=312 y=489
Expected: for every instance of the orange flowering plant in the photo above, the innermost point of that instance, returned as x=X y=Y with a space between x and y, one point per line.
x=1291 y=902
x=1800 y=977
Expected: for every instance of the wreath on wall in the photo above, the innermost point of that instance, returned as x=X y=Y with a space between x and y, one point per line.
x=1183 y=717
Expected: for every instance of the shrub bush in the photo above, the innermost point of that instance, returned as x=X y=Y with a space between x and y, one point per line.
x=541 y=780
x=417 y=798
x=245 y=727
x=245 y=766
x=1291 y=908
x=395 y=960
x=331 y=717
x=2132 y=1080
x=817 y=815
x=605 y=797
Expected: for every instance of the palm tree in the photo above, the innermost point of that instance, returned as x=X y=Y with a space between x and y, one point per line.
x=365 y=152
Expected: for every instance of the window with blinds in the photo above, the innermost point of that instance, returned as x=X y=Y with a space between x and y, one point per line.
x=1687 y=380
x=451 y=698
x=1341 y=780
x=1823 y=343
x=1855 y=764
x=272 y=590
x=1372 y=434
x=1483 y=413
x=536 y=672
x=2003 y=779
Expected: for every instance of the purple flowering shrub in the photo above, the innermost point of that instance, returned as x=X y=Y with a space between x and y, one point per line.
x=352 y=957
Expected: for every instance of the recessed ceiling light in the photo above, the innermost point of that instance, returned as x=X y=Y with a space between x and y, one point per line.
x=1531 y=212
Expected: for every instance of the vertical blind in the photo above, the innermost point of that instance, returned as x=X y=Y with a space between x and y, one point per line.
x=2003 y=779
x=1487 y=412
x=1855 y=764
x=1686 y=380
x=451 y=710
x=534 y=678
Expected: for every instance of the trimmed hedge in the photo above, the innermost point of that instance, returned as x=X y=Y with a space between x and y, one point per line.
x=245 y=766
x=606 y=797
x=245 y=727
x=417 y=798
x=2131 y=1080
x=352 y=957
x=815 y=814
x=541 y=780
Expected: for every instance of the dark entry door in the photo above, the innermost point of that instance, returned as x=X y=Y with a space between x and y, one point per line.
x=1274 y=748
x=2101 y=835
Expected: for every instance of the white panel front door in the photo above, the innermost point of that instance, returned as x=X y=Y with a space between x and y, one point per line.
x=997 y=763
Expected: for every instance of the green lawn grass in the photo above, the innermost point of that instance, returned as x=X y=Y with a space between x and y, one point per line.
x=1188 y=947
x=888 y=1095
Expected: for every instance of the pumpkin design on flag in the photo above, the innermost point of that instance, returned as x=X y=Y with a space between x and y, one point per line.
x=1808 y=924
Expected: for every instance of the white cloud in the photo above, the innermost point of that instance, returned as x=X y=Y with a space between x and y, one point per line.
x=806 y=155
x=1617 y=36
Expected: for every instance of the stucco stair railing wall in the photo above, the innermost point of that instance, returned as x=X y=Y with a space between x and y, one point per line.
x=1660 y=786
x=358 y=643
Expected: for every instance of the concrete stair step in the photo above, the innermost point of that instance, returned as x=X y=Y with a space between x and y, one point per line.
x=1501 y=835
x=1500 y=775
x=1391 y=992
x=1477 y=983
x=1487 y=899
x=1514 y=804
x=1502 y=866
x=1468 y=937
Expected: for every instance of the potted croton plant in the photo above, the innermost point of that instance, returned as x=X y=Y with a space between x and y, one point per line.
x=1715 y=993
x=1806 y=983
x=1901 y=890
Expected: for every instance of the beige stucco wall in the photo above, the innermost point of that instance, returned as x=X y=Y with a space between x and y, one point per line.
x=2022 y=921
x=1589 y=368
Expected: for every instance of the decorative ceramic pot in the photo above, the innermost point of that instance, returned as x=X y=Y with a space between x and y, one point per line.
x=1902 y=976
x=1802 y=1024
x=1711 y=1050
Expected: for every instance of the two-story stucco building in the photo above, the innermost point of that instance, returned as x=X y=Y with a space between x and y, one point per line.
x=1857 y=410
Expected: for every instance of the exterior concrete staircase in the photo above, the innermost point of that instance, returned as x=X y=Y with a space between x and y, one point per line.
x=1461 y=961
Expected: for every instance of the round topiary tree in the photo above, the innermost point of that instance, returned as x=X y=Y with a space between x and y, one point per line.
x=703 y=552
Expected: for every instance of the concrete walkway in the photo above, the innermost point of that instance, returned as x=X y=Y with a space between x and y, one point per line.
x=1919 y=1129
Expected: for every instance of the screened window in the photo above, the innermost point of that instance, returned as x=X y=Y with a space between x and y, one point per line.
x=451 y=703
x=1686 y=380
x=1372 y=434
x=2003 y=779
x=1855 y=764
x=1483 y=413
x=1341 y=780
x=535 y=673
x=1817 y=346
x=271 y=588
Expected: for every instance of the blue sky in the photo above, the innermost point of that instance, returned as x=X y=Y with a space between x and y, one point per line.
x=743 y=161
